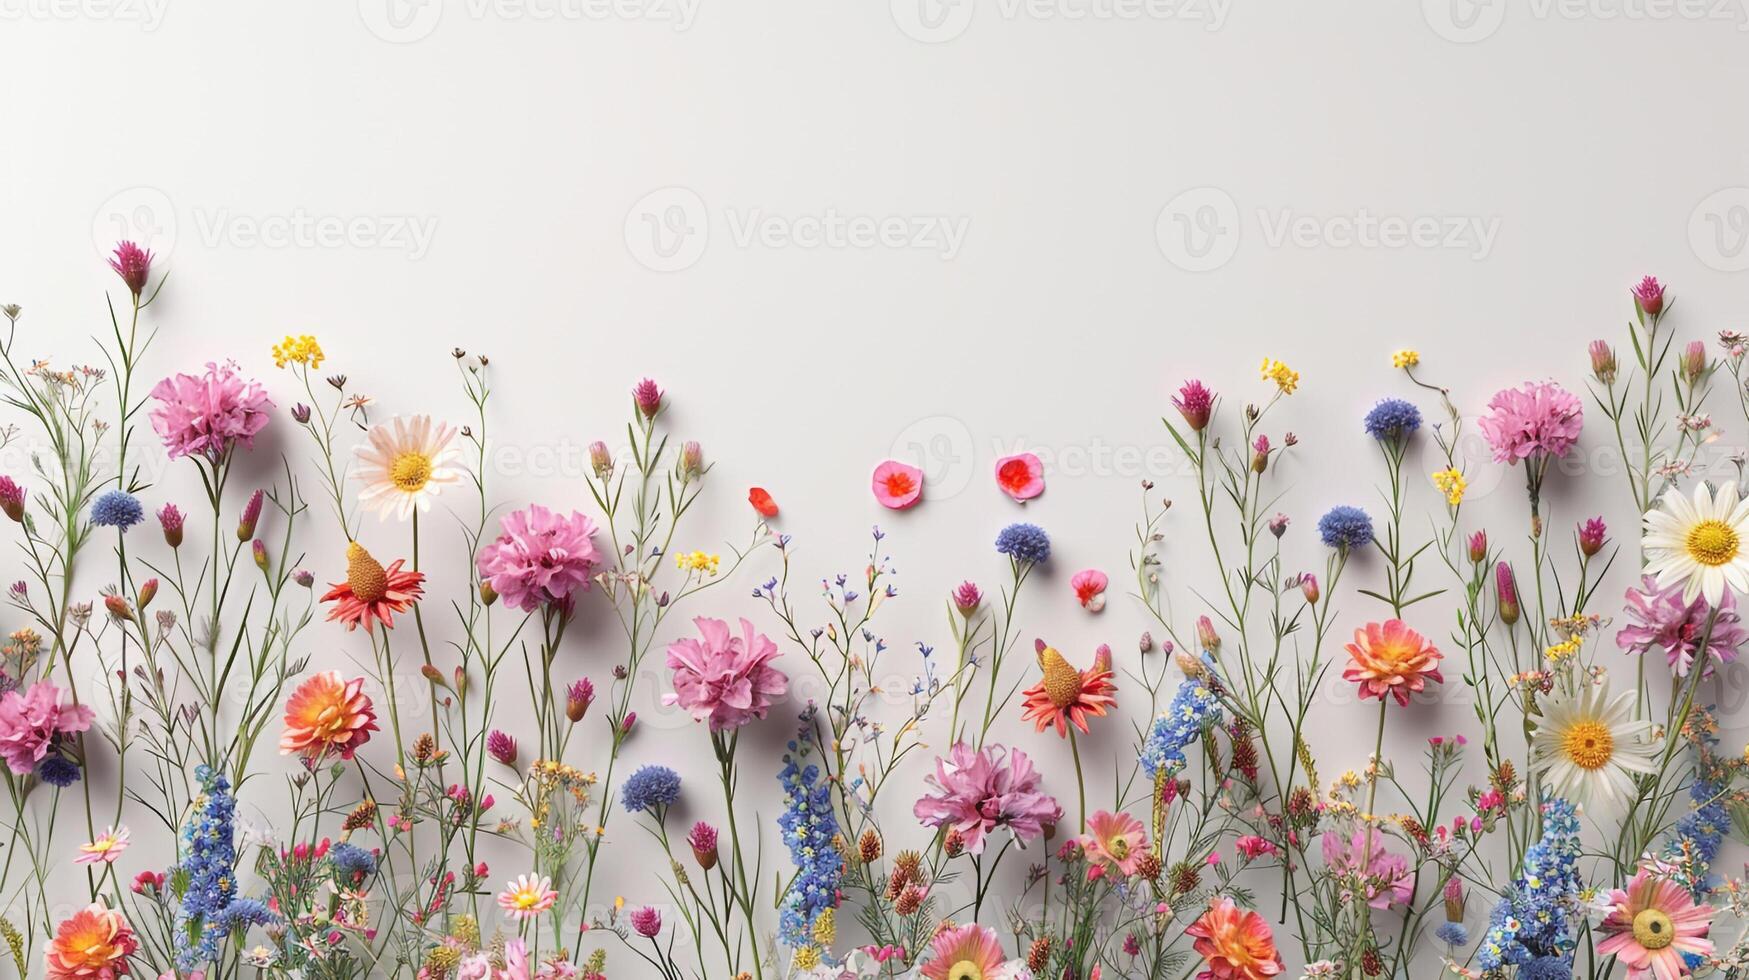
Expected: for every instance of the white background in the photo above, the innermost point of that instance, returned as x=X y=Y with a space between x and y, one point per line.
x=583 y=181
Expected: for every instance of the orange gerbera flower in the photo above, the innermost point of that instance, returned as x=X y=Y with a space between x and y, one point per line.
x=1066 y=696
x=327 y=714
x=1234 y=943
x=1391 y=657
x=372 y=592
x=92 y=944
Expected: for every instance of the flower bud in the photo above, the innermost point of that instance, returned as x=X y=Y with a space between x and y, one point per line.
x=12 y=499
x=1479 y=547
x=1693 y=361
x=1603 y=365
x=258 y=548
x=704 y=844
x=1592 y=535
x=118 y=608
x=691 y=459
x=488 y=595
x=1649 y=296
x=967 y=598
x=1506 y=593
x=304 y=577
x=625 y=727
x=502 y=747
x=1206 y=635
x=301 y=413
x=251 y=515
x=600 y=460
x=1309 y=587
x=578 y=699
x=170 y=520
x=1146 y=643
x=648 y=398
x=133 y=264
x=1260 y=454
x=147 y=591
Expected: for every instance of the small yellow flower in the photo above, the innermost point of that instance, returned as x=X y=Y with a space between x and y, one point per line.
x=1405 y=359
x=1451 y=483
x=806 y=958
x=826 y=928
x=1562 y=650
x=697 y=561
x=1286 y=379
x=302 y=349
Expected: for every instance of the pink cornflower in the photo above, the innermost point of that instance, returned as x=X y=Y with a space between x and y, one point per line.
x=30 y=721
x=1114 y=841
x=897 y=485
x=133 y=264
x=105 y=849
x=207 y=415
x=1387 y=877
x=726 y=679
x=542 y=557
x=1195 y=402
x=976 y=792
x=1534 y=419
x=647 y=921
x=1089 y=586
x=1661 y=621
x=527 y=896
x=1021 y=476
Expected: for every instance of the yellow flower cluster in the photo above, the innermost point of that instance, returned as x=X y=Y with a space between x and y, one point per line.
x=298 y=350
x=1405 y=359
x=697 y=561
x=1286 y=379
x=1564 y=649
x=1451 y=483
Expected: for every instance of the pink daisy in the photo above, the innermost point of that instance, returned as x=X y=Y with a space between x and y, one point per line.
x=105 y=849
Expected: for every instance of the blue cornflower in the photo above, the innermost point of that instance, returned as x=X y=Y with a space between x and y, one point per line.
x=1346 y=528
x=1392 y=418
x=1534 y=920
x=118 y=509
x=1546 y=968
x=1693 y=844
x=1025 y=543
x=652 y=788
x=246 y=912
x=1453 y=934
x=58 y=770
x=809 y=827
x=352 y=862
x=208 y=842
x=1192 y=711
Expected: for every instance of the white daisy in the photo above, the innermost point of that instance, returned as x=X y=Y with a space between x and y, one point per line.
x=1589 y=745
x=1700 y=543
x=403 y=463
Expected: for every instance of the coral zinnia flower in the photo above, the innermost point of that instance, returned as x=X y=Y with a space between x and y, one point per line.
x=406 y=462
x=327 y=713
x=1391 y=657
x=968 y=952
x=897 y=485
x=105 y=849
x=527 y=896
x=1652 y=925
x=1234 y=943
x=1114 y=841
x=1021 y=476
x=371 y=592
x=92 y=944
x=1067 y=696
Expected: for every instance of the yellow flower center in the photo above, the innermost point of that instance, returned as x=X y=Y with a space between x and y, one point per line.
x=1589 y=744
x=410 y=472
x=365 y=575
x=1062 y=682
x=1712 y=542
x=965 y=970
x=1653 y=929
x=1119 y=848
x=527 y=899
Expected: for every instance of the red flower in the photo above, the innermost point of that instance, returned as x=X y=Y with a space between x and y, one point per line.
x=372 y=592
x=762 y=502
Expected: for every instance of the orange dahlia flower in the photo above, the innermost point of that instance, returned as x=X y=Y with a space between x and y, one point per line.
x=1064 y=695
x=1391 y=657
x=372 y=592
x=1234 y=943
x=92 y=944
x=327 y=714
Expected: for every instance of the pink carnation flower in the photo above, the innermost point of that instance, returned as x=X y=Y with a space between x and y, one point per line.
x=541 y=557
x=978 y=791
x=727 y=679
x=206 y=415
x=30 y=721
x=1388 y=881
x=1662 y=621
x=1540 y=417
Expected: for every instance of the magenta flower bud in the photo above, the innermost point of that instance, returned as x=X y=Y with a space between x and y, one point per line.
x=691 y=459
x=12 y=499
x=648 y=398
x=133 y=264
x=1260 y=454
x=967 y=598
x=625 y=727
x=1649 y=296
x=304 y=577
x=647 y=921
x=1592 y=535
x=579 y=698
x=1693 y=361
x=501 y=747
x=1479 y=547
x=258 y=549
x=251 y=516
x=301 y=413
x=1196 y=403
x=1506 y=592
x=170 y=519
x=600 y=460
x=1603 y=364
x=704 y=844
x=1309 y=586
x=1278 y=525
x=1206 y=635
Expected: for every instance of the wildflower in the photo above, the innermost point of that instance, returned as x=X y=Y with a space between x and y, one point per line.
x=404 y=462
x=1194 y=709
x=1089 y=586
x=1662 y=620
x=703 y=840
x=134 y=265
x=32 y=722
x=1025 y=544
x=170 y=521
x=210 y=862
x=726 y=679
x=979 y=791
x=691 y=462
x=1260 y=453
x=301 y=349
x=1693 y=363
x=351 y=863
x=1345 y=528
x=762 y=502
x=1653 y=925
x=58 y=770
x=1603 y=363
x=1478 y=547
x=1699 y=542
x=652 y=789
x=966 y=598
x=1450 y=482
x=647 y=922
x=1252 y=847
x=118 y=509
x=1195 y=403
x=600 y=460
x=1285 y=378
x=1385 y=877
x=1021 y=476
x=578 y=698
x=1506 y=593
x=502 y=747
x=1590 y=745
x=1278 y=524
x=11 y=499
x=1235 y=943
x=897 y=485
x=105 y=849
x=968 y=952
x=527 y=896
x=208 y=415
x=93 y=943
x=1114 y=841
x=1649 y=296
x=1533 y=420
x=1534 y=920
x=327 y=714
x=1592 y=535
x=372 y=593
x=540 y=558
x=1405 y=359
x=1065 y=696
x=647 y=398
x=808 y=827
x=1391 y=658
x=1392 y=419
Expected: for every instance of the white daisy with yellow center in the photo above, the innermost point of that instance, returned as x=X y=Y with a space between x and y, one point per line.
x=1702 y=543
x=404 y=462
x=1590 y=746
